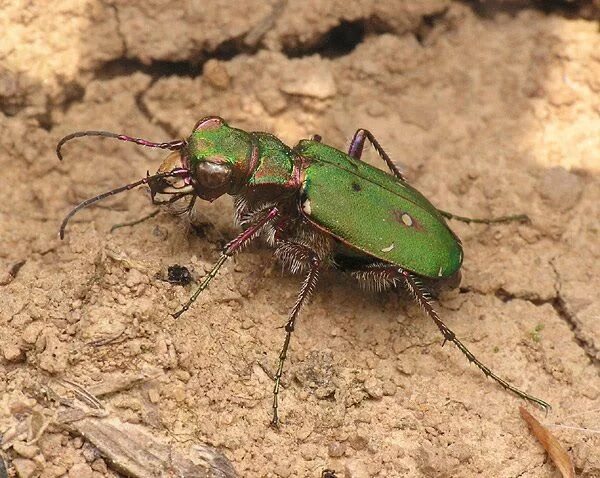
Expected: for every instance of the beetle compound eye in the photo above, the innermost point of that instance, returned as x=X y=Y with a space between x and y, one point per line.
x=212 y=175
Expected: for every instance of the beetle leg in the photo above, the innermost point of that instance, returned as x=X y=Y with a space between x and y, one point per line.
x=382 y=275
x=356 y=149
x=422 y=297
x=135 y=222
x=494 y=220
x=229 y=250
x=308 y=286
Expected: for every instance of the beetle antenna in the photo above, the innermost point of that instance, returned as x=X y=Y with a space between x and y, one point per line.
x=422 y=297
x=171 y=145
x=112 y=192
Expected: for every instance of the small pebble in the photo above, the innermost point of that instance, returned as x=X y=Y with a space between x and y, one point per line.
x=309 y=451
x=283 y=470
x=358 y=442
x=389 y=388
x=336 y=449
x=26 y=451
x=25 y=468
x=153 y=395
x=317 y=83
x=53 y=471
x=99 y=465
x=216 y=74
x=355 y=469
x=304 y=432
x=90 y=452
x=31 y=332
x=272 y=101
x=178 y=393
x=81 y=470
x=134 y=278
x=12 y=353
x=374 y=388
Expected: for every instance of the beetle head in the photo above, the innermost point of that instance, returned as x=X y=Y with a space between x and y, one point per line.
x=214 y=160
x=216 y=157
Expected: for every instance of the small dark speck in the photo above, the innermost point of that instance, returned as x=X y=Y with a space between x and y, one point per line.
x=177 y=274
x=356 y=187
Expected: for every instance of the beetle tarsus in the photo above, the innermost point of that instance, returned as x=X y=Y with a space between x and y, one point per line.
x=523 y=218
x=203 y=285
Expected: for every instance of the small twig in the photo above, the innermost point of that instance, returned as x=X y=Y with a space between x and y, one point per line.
x=555 y=450
x=82 y=394
x=107 y=340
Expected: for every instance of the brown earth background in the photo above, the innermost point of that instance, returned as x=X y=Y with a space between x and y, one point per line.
x=490 y=108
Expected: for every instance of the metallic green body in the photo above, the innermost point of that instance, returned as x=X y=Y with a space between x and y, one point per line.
x=369 y=211
x=376 y=213
x=275 y=162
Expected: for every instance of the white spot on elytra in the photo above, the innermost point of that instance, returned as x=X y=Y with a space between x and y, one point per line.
x=306 y=207
x=440 y=271
x=388 y=248
x=406 y=219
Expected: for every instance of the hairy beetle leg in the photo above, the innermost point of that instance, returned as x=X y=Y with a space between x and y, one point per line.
x=423 y=298
x=386 y=275
x=230 y=249
x=356 y=148
x=308 y=286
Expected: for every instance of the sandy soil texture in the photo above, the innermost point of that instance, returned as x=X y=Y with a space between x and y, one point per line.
x=488 y=111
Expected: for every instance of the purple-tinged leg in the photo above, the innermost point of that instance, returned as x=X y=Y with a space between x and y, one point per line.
x=230 y=249
x=356 y=148
x=302 y=253
x=423 y=299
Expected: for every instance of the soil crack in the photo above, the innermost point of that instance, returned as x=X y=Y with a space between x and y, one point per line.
x=565 y=8
x=559 y=305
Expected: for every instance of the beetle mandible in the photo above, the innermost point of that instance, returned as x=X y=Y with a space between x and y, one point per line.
x=317 y=207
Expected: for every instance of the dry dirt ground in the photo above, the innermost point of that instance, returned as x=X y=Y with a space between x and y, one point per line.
x=489 y=111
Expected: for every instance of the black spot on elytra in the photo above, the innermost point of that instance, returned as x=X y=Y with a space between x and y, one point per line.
x=356 y=187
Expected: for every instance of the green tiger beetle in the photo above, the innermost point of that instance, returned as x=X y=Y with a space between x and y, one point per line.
x=317 y=207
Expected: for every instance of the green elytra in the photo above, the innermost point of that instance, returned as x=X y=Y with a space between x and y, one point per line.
x=317 y=207
x=376 y=213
